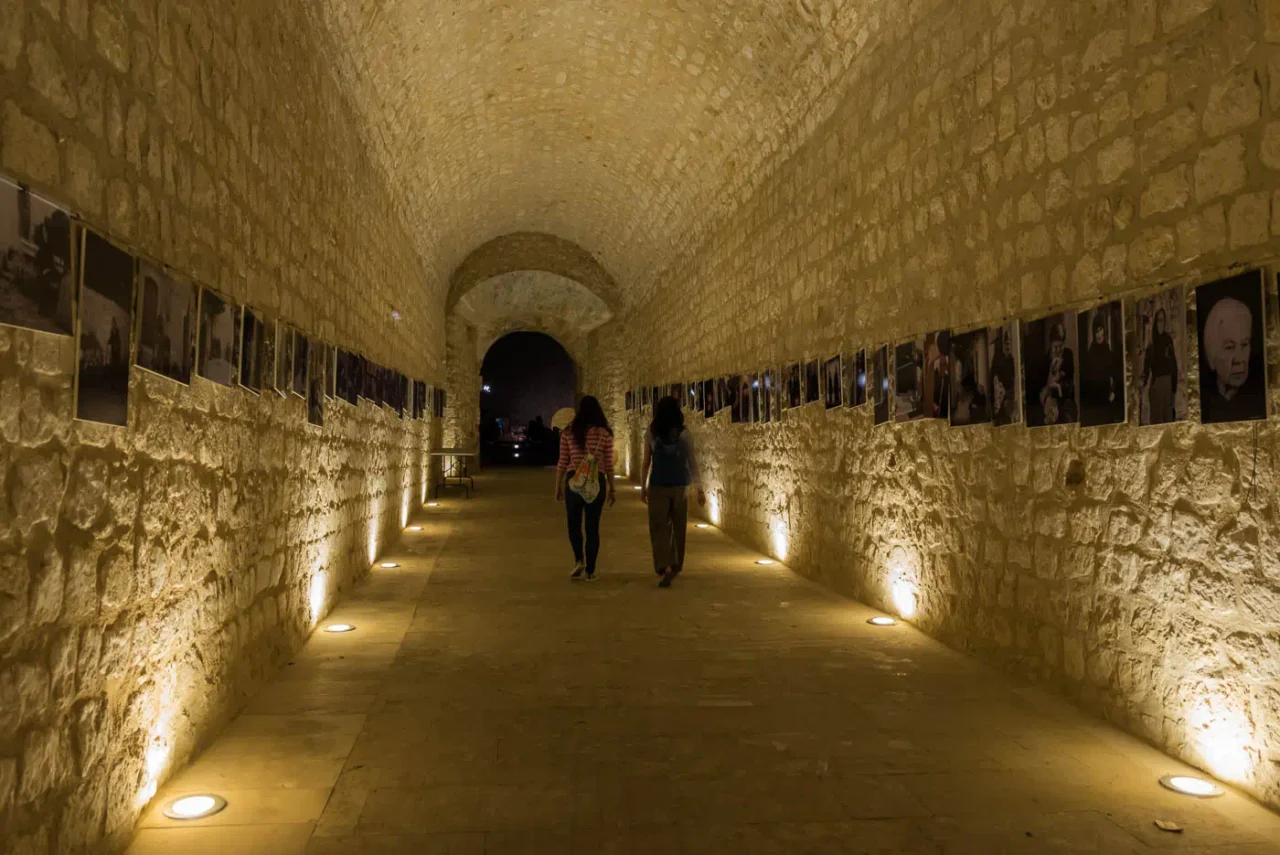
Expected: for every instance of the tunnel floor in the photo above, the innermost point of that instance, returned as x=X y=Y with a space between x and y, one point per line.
x=486 y=704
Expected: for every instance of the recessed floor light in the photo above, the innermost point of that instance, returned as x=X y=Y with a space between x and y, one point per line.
x=638 y=487
x=882 y=621
x=765 y=561
x=702 y=525
x=387 y=565
x=433 y=504
x=195 y=806
x=339 y=627
x=1189 y=785
x=415 y=528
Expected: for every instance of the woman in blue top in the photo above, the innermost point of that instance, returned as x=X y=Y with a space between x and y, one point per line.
x=669 y=468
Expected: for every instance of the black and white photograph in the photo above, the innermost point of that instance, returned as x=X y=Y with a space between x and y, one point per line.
x=166 y=323
x=301 y=363
x=1100 y=332
x=935 y=375
x=37 y=286
x=677 y=391
x=1229 y=319
x=855 y=378
x=219 y=339
x=627 y=401
x=880 y=379
x=733 y=397
x=708 y=398
x=644 y=396
x=795 y=386
x=270 y=334
x=419 y=400
x=284 y=358
x=833 y=383
x=695 y=397
x=722 y=394
x=1162 y=357
x=655 y=395
x=315 y=384
x=812 y=381
x=250 y=351
x=349 y=377
x=330 y=371
x=442 y=401
x=768 y=397
x=106 y=326
x=753 y=397
x=970 y=368
x=1051 y=377
x=908 y=359
x=1006 y=396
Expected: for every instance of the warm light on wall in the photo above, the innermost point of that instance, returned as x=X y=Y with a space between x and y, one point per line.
x=903 y=587
x=319 y=595
x=713 y=508
x=404 y=508
x=375 y=513
x=778 y=536
x=160 y=737
x=1221 y=734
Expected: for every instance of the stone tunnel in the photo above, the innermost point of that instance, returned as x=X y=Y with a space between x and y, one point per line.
x=252 y=255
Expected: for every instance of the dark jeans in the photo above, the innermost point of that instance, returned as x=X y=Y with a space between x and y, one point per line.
x=576 y=506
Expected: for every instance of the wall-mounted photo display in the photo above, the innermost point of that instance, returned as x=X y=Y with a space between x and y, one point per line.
x=695 y=397
x=676 y=391
x=301 y=363
x=644 y=396
x=330 y=371
x=1003 y=351
x=1100 y=333
x=795 y=385
x=753 y=396
x=1051 y=373
x=284 y=358
x=908 y=359
x=970 y=380
x=218 y=356
x=733 y=397
x=627 y=401
x=768 y=397
x=442 y=402
x=106 y=326
x=270 y=339
x=315 y=385
x=708 y=398
x=722 y=394
x=655 y=394
x=345 y=380
x=812 y=381
x=166 y=323
x=833 y=383
x=1230 y=318
x=37 y=285
x=880 y=380
x=404 y=396
x=250 y=351
x=936 y=375
x=420 y=399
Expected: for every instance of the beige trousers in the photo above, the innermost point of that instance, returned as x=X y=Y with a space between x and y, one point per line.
x=668 y=515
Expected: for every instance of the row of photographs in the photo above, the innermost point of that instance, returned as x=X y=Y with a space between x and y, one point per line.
x=59 y=277
x=1072 y=366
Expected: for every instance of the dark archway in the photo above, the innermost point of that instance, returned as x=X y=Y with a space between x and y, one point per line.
x=527 y=377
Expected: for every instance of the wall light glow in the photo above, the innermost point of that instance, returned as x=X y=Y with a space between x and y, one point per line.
x=778 y=536
x=319 y=595
x=903 y=585
x=160 y=738
x=404 y=508
x=713 y=508
x=429 y=505
x=1222 y=735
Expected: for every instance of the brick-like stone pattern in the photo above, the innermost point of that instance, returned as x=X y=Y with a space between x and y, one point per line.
x=998 y=158
x=462 y=410
x=151 y=577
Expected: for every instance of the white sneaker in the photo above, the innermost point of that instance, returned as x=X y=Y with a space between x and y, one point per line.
x=578 y=570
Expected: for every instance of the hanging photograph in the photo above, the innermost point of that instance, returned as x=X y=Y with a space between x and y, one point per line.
x=330 y=371
x=833 y=383
x=166 y=323
x=795 y=385
x=106 y=324
x=855 y=376
x=732 y=397
x=695 y=397
x=269 y=337
x=655 y=394
x=812 y=381
x=1230 y=317
x=37 y=288
x=301 y=362
x=442 y=402
x=250 y=350
x=315 y=384
x=627 y=401
x=708 y=398
x=936 y=375
x=219 y=339
x=768 y=397
x=909 y=396
x=1051 y=378
x=753 y=397
x=1003 y=351
x=1100 y=332
x=970 y=367
x=284 y=358
x=880 y=378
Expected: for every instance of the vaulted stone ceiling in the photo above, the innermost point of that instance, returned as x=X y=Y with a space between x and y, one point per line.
x=533 y=300
x=622 y=127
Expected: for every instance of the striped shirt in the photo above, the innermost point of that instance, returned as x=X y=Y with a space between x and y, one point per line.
x=599 y=440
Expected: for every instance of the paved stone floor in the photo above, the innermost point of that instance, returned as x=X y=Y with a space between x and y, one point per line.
x=486 y=704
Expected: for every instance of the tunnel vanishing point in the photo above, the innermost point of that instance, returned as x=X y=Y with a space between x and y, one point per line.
x=1019 y=256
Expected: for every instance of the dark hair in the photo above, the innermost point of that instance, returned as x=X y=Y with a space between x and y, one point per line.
x=590 y=414
x=668 y=420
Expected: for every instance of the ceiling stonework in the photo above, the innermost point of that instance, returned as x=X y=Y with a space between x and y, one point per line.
x=532 y=300
x=533 y=251
x=622 y=127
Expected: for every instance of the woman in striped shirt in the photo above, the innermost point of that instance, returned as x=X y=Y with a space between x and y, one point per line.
x=588 y=434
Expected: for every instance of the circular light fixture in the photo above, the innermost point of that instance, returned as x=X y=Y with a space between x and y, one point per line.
x=433 y=504
x=765 y=562
x=415 y=528
x=702 y=525
x=638 y=487
x=195 y=806
x=339 y=627
x=1189 y=785
x=883 y=620
x=617 y=477
x=387 y=565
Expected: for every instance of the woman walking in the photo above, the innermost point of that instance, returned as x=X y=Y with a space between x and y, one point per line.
x=669 y=468
x=586 y=469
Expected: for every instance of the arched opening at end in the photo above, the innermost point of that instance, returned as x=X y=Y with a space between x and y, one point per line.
x=526 y=377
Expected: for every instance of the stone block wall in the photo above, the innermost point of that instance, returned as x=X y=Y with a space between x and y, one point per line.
x=999 y=158
x=150 y=577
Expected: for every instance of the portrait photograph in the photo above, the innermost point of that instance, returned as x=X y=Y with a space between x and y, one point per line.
x=442 y=402
x=644 y=396
x=1100 y=333
x=768 y=397
x=832 y=383
x=970 y=368
x=627 y=401
x=284 y=358
x=733 y=397
x=217 y=358
x=1050 y=370
x=722 y=394
x=753 y=394
x=330 y=371
x=270 y=333
x=250 y=350
x=37 y=285
x=315 y=384
x=880 y=377
x=908 y=358
x=795 y=386
x=812 y=381
x=1006 y=396
x=935 y=374
x=708 y=398
x=655 y=395
x=1229 y=328
x=106 y=326
x=166 y=323
x=301 y=363
x=854 y=368
x=677 y=391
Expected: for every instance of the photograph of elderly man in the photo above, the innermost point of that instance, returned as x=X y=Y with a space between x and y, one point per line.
x=1229 y=320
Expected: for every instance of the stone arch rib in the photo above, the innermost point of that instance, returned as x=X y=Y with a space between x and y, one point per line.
x=533 y=251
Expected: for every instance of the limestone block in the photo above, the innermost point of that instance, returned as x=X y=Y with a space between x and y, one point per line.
x=49 y=77
x=13 y=20
x=1220 y=169
x=45 y=764
x=1172 y=134
x=1115 y=159
x=48 y=583
x=1166 y=191
x=110 y=34
x=28 y=147
x=8 y=782
x=1233 y=103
